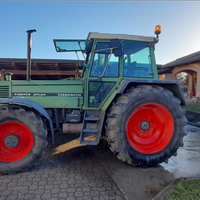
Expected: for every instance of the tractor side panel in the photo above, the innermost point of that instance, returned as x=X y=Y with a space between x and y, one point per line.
x=50 y=94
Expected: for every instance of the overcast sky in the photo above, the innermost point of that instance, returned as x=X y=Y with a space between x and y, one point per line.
x=180 y=22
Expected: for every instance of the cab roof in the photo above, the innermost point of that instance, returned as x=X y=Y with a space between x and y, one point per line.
x=97 y=35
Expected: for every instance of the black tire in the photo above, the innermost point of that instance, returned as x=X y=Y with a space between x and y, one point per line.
x=26 y=126
x=121 y=112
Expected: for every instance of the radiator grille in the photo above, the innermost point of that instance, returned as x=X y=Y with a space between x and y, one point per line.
x=4 y=91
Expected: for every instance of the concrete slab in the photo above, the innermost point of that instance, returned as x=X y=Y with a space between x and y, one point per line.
x=138 y=183
x=187 y=163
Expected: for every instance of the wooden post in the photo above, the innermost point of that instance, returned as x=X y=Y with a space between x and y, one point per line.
x=2 y=74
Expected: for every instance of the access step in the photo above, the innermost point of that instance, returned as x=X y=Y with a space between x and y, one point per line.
x=88 y=132
x=91 y=130
x=92 y=119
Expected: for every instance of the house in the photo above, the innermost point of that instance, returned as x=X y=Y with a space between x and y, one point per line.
x=189 y=64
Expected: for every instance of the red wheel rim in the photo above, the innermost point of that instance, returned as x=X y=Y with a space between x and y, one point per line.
x=16 y=141
x=150 y=128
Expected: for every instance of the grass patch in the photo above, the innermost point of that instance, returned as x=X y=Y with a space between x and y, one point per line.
x=192 y=107
x=187 y=189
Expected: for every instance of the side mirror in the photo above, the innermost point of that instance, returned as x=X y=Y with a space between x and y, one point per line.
x=117 y=47
x=88 y=47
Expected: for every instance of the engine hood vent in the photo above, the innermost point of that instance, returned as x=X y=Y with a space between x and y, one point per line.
x=4 y=91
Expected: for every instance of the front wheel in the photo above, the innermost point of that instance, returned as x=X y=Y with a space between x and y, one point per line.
x=23 y=139
x=145 y=126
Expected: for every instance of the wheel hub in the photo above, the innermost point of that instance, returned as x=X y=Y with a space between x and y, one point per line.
x=11 y=141
x=145 y=125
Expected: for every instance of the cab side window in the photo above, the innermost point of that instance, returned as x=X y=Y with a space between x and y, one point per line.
x=137 y=60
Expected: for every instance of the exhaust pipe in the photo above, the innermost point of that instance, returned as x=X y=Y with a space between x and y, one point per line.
x=28 y=72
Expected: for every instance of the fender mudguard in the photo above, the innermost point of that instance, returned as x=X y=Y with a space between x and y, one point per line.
x=32 y=104
x=172 y=86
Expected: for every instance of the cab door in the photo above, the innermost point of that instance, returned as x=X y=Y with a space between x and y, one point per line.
x=103 y=75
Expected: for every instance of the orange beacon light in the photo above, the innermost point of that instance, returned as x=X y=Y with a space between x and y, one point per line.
x=157 y=30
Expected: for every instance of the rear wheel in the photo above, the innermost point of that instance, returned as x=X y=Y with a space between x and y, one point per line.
x=23 y=139
x=145 y=126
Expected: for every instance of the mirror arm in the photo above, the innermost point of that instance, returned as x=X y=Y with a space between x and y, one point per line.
x=106 y=65
x=96 y=51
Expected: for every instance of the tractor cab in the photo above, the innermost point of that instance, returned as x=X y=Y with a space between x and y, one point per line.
x=114 y=55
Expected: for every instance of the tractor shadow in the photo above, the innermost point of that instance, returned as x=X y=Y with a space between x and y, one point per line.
x=69 y=155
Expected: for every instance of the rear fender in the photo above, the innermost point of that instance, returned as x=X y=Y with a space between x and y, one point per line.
x=26 y=102
x=172 y=86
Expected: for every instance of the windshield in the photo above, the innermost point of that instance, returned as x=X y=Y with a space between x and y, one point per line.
x=101 y=59
x=71 y=45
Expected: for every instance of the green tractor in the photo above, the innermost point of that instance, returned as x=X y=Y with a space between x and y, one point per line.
x=117 y=96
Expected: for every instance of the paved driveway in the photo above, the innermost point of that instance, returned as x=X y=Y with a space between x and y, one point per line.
x=68 y=171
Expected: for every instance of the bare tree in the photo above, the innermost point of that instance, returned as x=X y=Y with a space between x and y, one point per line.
x=183 y=78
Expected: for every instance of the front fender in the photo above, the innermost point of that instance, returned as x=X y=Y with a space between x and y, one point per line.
x=32 y=104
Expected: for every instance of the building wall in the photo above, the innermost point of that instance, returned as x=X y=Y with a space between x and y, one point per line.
x=193 y=70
